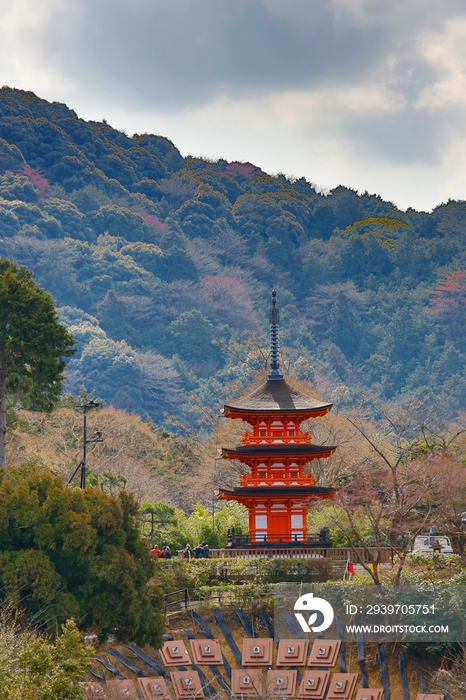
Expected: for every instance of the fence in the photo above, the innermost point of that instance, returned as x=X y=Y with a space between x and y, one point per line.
x=185 y=598
x=290 y=552
x=310 y=539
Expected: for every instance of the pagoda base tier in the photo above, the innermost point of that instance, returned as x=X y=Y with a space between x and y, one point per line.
x=277 y=514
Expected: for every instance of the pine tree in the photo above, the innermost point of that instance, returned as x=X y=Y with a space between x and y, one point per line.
x=32 y=344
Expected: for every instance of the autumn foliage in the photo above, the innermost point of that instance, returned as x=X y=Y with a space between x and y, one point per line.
x=37 y=178
x=448 y=304
x=241 y=171
x=156 y=223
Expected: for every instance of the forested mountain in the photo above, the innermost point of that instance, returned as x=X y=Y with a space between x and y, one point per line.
x=162 y=268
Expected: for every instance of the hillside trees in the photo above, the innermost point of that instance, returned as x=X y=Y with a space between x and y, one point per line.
x=156 y=464
x=134 y=235
x=448 y=305
x=144 y=382
x=192 y=338
x=33 y=344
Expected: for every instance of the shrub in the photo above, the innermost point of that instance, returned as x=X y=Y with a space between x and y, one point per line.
x=306 y=570
x=176 y=574
x=30 y=667
x=68 y=552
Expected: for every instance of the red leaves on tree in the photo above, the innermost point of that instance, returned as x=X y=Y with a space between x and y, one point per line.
x=156 y=223
x=241 y=171
x=451 y=290
x=37 y=178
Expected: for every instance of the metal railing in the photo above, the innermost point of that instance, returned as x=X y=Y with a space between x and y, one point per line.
x=309 y=552
x=186 y=598
x=313 y=539
x=304 y=480
x=185 y=595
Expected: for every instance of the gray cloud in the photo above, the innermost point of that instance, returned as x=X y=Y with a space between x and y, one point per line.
x=172 y=54
x=377 y=83
x=403 y=138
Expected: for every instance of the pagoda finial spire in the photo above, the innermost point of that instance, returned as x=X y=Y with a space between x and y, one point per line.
x=274 y=344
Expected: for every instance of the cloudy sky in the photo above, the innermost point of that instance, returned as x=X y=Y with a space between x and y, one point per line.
x=370 y=94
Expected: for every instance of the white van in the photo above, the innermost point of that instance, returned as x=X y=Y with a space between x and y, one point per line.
x=425 y=544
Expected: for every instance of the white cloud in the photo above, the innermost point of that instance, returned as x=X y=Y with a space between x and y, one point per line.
x=448 y=53
x=29 y=54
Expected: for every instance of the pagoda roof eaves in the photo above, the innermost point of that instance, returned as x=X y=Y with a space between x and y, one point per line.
x=277 y=396
x=279 y=491
x=274 y=449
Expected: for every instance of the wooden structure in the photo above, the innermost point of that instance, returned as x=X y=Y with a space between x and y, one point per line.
x=277 y=491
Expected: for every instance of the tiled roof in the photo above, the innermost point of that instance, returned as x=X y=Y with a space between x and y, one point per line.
x=277 y=395
x=275 y=449
x=279 y=490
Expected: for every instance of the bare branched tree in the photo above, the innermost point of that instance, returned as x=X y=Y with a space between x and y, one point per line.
x=451 y=678
x=395 y=485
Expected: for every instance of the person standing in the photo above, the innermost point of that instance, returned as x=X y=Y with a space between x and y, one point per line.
x=166 y=552
x=199 y=551
x=188 y=552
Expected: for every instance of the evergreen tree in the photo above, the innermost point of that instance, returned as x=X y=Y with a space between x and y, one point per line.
x=32 y=344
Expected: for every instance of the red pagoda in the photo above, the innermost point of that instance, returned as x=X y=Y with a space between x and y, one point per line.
x=277 y=492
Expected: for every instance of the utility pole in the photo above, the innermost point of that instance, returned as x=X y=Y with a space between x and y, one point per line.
x=97 y=438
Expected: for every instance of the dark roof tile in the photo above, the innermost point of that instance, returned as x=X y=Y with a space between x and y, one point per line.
x=280 y=491
x=276 y=449
x=277 y=395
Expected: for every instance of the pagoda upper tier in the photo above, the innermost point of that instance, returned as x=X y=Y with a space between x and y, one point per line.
x=278 y=398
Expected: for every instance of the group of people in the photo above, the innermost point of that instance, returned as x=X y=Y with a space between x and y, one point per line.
x=200 y=552
x=163 y=553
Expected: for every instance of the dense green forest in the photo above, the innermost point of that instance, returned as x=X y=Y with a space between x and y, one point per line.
x=162 y=267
